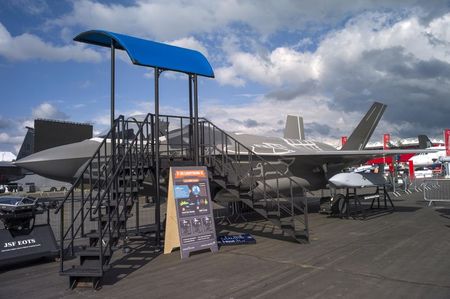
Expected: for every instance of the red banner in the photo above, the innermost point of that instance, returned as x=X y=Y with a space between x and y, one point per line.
x=391 y=167
x=343 y=140
x=447 y=141
x=386 y=141
x=411 y=170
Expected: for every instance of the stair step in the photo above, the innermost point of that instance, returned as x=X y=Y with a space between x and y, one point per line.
x=259 y=205
x=113 y=218
x=120 y=178
x=134 y=189
x=93 y=251
x=115 y=203
x=245 y=196
x=82 y=271
x=95 y=235
x=273 y=215
x=232 y=186
x=287 y=226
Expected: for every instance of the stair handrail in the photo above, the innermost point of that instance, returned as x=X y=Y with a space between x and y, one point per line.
x=106 y=190
x=271 y=167
x=268 y=196
x=118 y=166
x=77 y=181
x=278 y=176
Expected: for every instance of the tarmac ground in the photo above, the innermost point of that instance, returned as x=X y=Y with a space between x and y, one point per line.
x=395 y=254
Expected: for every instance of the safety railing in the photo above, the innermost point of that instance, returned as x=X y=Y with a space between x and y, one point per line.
x=436 y=190
x=253 y=173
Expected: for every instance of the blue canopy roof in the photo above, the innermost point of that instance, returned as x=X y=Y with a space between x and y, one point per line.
x=150 y=53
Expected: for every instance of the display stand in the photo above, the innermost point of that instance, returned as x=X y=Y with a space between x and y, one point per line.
x=189 y=220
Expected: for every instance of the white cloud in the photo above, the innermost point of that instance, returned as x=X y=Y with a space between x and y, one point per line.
x=279 y=67
x=28 y=46
x=190 y=43
x=228 y=76
x=176 y=19
x=269 y=116
x=369 y=32
x=395 y=59
x=374 y=56
x=48 y=111
x=6 y=138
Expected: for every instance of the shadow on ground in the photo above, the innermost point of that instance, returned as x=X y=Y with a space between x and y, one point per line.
x=143 y=251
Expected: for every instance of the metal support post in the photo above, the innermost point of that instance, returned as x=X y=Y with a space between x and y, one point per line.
x=156 y=136
x=196 y=141
x=113 y=135
x=191 y=112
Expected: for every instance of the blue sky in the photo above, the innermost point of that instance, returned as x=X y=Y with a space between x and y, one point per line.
x=325 y=61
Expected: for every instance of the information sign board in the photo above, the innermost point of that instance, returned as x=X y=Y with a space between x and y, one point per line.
x=190 y=221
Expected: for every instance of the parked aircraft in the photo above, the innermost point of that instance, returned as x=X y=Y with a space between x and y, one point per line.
x=309 y=163
x=423 y=143
x=10 y=172
x=428 y=159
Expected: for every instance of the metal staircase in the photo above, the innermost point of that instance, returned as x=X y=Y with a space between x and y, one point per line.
x=255 y=180
x=108 y=185
x=103 y=194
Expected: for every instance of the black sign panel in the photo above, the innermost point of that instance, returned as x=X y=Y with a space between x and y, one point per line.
x=194 y=209
x=242 y=239
x=40 y=242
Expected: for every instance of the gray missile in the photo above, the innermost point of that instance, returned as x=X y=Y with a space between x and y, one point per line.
x=357 y=180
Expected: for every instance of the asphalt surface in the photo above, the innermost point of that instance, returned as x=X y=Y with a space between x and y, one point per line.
x=403 y=254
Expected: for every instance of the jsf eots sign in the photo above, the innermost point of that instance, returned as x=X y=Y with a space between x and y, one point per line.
x=447 y=141
x=386 y=141
x=190 y=221
x=19 y=244
x=40 y=242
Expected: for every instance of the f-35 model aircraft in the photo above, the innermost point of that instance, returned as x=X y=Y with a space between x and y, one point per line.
x=309 y=163
x=312 y=163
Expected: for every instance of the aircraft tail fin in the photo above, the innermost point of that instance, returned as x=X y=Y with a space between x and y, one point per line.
x=361 y=135
x=294 y=127
x=27 y=147
x=424 y=142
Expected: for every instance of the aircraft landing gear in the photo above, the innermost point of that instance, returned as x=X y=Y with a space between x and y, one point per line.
x=339 y=205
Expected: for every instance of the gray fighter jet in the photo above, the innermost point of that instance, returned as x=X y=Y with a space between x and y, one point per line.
x=309 y=163
x=312 y=163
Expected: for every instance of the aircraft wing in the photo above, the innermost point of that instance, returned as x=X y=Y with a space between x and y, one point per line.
x=355 y=156
x=368 y=153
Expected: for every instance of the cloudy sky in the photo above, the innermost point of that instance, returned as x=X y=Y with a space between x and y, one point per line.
x=324 y=60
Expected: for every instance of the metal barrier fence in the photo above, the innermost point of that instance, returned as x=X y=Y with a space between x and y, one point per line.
x=142 y=219
x=436 y=190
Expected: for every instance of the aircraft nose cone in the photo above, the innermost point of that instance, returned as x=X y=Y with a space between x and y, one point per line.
x=61 y=162
x=340 y=179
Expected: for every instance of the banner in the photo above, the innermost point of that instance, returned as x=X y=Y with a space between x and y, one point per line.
x=447 y=141
x=411 y=170
x=386 y=141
